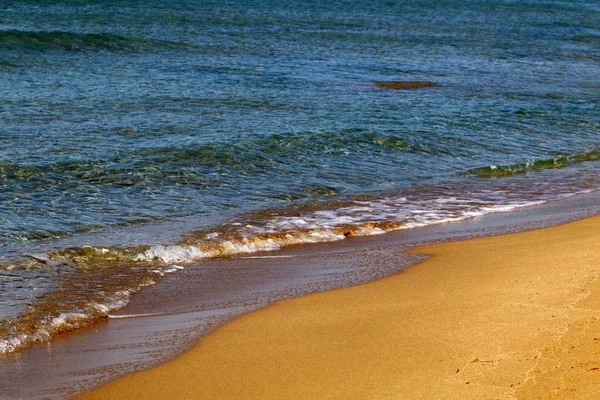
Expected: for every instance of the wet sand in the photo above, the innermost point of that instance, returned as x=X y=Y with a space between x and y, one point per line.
x=511 y=316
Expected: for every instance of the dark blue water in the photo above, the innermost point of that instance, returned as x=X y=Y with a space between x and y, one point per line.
x=248 y=125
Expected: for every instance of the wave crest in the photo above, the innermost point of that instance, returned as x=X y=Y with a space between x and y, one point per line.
x=70 y=41
x=493 y=171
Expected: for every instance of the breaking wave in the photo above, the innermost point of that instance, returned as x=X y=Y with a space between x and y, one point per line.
x=534 y=165
x=84 y=284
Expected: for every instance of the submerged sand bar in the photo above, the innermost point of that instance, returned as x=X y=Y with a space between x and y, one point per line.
x=512 y=316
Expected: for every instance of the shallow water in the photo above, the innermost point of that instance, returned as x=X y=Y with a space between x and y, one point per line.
x=160 y=133
x=184 y=306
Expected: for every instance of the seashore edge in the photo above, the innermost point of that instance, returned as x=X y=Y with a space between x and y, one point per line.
x=510 y=316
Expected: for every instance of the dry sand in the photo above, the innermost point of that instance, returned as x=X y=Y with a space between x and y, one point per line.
x=514 y=316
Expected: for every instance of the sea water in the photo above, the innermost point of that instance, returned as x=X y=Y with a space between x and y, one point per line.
x=139 y=136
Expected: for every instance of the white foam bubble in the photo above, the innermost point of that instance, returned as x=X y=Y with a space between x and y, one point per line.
x=366 y=231
x=68 y=319
x=172 y=254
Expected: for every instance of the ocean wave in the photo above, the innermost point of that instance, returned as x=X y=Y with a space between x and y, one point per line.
x=78 y=42
x=222 y=169
x=205 y=166
x=493 y=171
x=325 y=222
x=594 y=39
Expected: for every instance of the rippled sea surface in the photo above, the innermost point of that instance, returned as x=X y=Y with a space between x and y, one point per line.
x=136 y=137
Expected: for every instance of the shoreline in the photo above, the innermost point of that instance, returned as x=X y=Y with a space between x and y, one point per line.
x=195 y=301
x=504 y=316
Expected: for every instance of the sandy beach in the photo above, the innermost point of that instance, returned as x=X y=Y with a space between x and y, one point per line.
x=511 y=316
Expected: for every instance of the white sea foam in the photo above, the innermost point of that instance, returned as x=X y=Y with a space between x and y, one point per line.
x=68 y=321
x=359 y=219
x=167 y=270
x=171 y=254
x=190 y=253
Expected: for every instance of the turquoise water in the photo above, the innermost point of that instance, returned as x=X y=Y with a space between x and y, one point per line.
x=160 y=132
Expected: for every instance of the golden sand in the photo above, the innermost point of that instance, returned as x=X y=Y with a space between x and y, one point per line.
x=514 y=316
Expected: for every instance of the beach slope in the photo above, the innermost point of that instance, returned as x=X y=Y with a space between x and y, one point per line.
x=513 y=316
